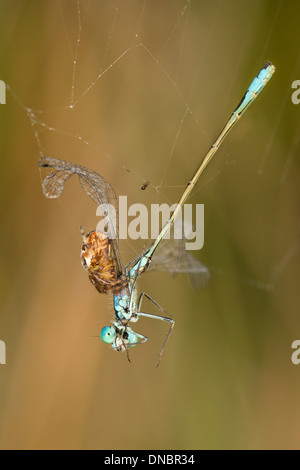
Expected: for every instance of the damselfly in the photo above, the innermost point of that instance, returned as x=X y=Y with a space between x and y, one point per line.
x=100 y=254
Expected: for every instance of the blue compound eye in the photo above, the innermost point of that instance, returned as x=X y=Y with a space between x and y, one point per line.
x=108 y=334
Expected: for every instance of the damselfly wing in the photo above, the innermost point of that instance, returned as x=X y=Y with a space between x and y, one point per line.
x=99 y=252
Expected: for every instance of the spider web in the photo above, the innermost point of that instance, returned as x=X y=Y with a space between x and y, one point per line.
x=138 y=92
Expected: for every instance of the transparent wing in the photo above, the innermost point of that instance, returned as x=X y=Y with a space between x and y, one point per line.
x=95 y=186
x=173 y=257
x=53 y=184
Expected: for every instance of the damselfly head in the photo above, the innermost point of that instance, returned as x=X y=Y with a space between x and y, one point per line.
x=120 y=338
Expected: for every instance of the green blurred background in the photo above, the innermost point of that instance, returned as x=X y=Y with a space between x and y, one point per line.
x=154 y=83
